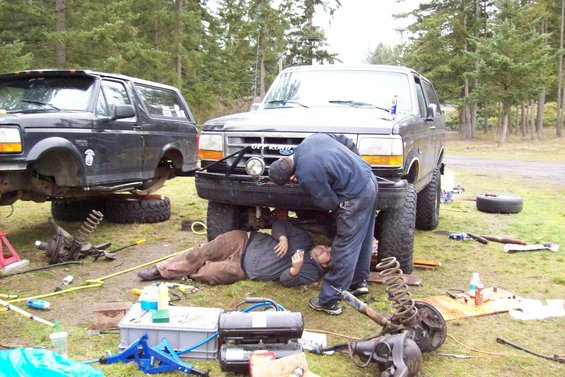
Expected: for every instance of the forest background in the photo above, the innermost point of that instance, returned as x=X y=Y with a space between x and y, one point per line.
x=497 y=63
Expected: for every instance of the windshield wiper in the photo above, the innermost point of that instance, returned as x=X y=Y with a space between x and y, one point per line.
x=358 y=104
x=45 y=104
x=285 y=101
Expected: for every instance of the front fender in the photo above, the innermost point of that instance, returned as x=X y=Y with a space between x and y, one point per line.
x=52 y=144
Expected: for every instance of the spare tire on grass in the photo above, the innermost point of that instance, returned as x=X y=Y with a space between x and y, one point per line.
x=499 y=203
x=137 y=210
x=75 y=209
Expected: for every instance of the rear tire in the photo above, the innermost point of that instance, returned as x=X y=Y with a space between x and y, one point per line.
x=427 y=206
x=75 y=209
x=395 y=231
x=221 y=218
x=138 y=210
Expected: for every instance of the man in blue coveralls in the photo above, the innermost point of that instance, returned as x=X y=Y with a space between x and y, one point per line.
x=330 y=169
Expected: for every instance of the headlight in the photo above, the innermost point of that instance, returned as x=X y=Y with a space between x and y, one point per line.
x=381 y=151
x=211 y=147
x=10 y=140
x=255 y=167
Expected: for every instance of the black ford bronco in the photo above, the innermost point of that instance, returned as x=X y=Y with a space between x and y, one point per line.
x=80 y=137
x=391 y=113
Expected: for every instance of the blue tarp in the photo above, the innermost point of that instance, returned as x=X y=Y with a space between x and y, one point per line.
x=27 y=362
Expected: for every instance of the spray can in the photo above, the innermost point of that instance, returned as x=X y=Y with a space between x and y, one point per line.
x=479 y=294
x=38 y=304
x=475 y=280
x=393 y=106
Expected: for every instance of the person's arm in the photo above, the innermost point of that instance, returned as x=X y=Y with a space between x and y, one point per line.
x=309 y=273
x=279 y=233
x=297 y=261
x=345 y=141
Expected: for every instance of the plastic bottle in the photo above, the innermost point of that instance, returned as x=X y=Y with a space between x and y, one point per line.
x=394 y=103
x=163 y=298
x=298 y=372
x=474 y=281
x=38 y=304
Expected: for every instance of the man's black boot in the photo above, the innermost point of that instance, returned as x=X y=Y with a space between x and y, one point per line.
x=152 y=273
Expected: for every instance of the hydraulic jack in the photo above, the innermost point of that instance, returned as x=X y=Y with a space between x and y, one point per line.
x=151 y=360
x=415 y=327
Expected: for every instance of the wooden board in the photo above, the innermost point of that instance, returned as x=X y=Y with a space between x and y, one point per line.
x=450 y=308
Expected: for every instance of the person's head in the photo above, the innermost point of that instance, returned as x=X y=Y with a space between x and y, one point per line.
x=322 y=254
x=281 y=170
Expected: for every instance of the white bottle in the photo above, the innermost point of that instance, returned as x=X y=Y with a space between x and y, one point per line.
x=474 y=281
x=163 y=299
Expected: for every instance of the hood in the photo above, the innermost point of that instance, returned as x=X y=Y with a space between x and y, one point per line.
x=45 y=119
x=338 y=119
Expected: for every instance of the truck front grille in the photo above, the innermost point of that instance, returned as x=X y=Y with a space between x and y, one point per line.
x=268 y=146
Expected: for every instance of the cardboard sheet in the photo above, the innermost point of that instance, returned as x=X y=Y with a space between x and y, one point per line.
x=450 y=308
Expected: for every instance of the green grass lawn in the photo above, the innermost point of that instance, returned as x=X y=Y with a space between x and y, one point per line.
x=536 y=275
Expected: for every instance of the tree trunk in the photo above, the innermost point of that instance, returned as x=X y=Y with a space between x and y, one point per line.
x=179 y=4
x=534 y=136
x=560 y=93
x=541 y=95
x=506 y=115
x=523 y=119
x=60 y=53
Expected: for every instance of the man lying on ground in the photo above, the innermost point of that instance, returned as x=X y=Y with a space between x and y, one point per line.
x=239 y=255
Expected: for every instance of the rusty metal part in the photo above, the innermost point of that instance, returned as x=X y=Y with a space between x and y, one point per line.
x=557 y=358
x=65 y=247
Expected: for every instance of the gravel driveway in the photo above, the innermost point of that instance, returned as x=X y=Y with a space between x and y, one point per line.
x=549 y=172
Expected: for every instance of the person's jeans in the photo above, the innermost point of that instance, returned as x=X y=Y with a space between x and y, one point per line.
x=352 y=244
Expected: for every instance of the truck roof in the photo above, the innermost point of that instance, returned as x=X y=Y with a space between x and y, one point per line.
x=78 y=72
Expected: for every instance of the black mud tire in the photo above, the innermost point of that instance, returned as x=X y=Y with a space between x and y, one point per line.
x=427 y=206
x=75 y=209
x=137 y=210
x=499 y=203
x=221 y=218
x=395 y=232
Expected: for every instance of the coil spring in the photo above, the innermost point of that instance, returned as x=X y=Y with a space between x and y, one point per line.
x=405 y=310
x=89 y=225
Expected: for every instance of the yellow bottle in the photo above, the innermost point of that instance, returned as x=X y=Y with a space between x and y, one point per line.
x=163 y=298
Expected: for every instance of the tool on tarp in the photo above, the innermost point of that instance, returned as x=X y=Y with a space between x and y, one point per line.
x=511 y=248
x=557 y=358
x=151 y=360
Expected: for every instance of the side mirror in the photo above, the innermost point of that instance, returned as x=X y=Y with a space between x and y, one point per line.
x=123 y=111
x=431 y=111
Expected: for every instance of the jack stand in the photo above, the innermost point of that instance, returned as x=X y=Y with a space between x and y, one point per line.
x=11 y=261
x=151 y=360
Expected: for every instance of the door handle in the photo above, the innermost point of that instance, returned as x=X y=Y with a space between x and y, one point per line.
x=135 y=127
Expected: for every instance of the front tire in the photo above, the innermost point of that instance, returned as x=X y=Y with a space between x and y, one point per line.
x=427 y=207
x=221 y=218
x=395 y=231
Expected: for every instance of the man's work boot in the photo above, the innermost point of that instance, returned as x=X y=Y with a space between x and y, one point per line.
x=333 y=309
x=152 y=273
x=359 y=289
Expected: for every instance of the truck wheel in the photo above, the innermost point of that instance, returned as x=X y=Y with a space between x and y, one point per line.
x=138 y=210
x=75 y=209
x=427 y=206
x=499 y=203
x=221 y=218
x=395 y=232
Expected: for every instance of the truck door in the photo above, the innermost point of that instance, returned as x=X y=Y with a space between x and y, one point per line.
x=120 y=151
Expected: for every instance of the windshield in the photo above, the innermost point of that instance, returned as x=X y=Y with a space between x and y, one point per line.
x=357 y=88
x=46 y=94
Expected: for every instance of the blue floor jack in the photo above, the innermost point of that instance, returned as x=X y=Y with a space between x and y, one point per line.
x=151 y=360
